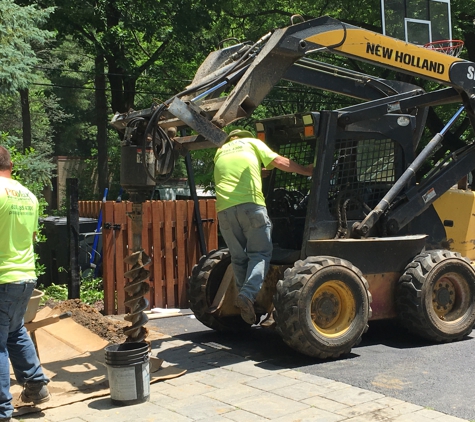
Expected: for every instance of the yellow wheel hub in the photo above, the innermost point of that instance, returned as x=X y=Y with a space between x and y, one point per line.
x=333 y=308
x=443 y=297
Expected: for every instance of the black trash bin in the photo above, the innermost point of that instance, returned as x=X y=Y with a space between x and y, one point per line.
x=54 y=252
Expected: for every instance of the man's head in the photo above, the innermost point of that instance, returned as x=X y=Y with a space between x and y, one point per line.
x=239 y=133
x=5 y=160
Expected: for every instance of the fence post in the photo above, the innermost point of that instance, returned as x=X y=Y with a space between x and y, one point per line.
x=73 y=234
x=197 y=213
x=108 y=256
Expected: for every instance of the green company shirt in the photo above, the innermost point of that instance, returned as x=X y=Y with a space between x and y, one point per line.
x=237 y=172
x=18 y=222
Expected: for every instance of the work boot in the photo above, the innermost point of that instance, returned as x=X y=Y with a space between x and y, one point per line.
x=35 y=392
x=269 y=321
x=247 y=309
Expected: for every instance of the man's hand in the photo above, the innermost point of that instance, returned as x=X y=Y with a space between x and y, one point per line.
x=290 y=166
x=309 y=168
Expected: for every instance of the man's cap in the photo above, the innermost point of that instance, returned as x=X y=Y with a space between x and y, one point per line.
x=240 y=133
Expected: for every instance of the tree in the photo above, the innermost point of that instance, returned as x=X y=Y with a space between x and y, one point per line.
x=20 y=33
x=126 y=39
x=131 y=54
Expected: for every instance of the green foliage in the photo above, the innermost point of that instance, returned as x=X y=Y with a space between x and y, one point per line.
x=19 y=34
x=203 y=166
x=152 y=53
x=87 y=175
x=45 y=111
x=70 y=71
x=56 y=292
x=91 y=291
x=32 y=169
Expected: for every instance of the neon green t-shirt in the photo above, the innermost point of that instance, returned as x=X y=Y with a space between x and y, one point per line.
x=237 y=172
x=18 y=222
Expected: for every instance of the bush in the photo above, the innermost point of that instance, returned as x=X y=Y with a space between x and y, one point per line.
x=55 y=292
x=91 y=291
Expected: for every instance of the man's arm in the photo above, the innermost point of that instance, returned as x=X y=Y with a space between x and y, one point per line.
x=290 y=166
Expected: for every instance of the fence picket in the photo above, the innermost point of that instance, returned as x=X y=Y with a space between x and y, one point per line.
x=158 y=255
x=170 y=216
x=181 y=253
x=146 y=246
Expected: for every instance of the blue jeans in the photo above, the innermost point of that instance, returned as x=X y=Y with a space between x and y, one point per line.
x=15 y=343
x=246 y=229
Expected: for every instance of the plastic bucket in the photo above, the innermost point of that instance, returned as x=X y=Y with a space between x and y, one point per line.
x=128 y=372
x=33 y=304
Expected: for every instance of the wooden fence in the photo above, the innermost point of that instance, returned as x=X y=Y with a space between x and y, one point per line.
x=169 y=237
x=89 y=209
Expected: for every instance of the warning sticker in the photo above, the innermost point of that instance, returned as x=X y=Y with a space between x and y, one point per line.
x=149 y=157
x=122 y=383
x=428 y=195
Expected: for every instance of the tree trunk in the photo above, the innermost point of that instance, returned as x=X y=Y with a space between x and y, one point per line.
x=129 y=92
x=101 y=123
x=116 y=86
x=26 y=118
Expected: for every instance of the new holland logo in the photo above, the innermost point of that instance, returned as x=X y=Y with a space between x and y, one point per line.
x=400 y=57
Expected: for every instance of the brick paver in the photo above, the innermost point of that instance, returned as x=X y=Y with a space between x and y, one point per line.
x=222 y=387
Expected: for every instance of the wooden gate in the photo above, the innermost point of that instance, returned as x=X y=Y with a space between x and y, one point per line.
x=169 y=237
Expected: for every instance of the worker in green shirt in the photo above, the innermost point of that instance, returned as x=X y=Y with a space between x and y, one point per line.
x=242 y=214
x=18 y=227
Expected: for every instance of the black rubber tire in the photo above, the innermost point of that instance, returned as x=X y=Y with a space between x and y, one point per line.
x=435 y=279
x=329 y=284
x=203 y=284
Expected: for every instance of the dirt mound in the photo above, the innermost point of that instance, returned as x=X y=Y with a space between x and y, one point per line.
x=89 y=317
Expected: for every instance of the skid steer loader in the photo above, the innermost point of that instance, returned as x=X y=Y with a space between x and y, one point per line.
x=361 y=240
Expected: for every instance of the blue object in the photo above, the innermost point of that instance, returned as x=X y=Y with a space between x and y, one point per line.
x=97 y=231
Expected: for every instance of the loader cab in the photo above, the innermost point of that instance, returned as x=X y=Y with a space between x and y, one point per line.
x=355 y=166
x=287 y=194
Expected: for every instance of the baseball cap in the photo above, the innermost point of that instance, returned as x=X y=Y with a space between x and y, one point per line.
x=240 y=133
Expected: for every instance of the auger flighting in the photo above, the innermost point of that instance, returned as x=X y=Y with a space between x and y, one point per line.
x=137 y=286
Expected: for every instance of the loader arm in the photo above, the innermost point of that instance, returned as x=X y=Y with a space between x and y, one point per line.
x=233 y=81
x=287 y=46
x=248 y=77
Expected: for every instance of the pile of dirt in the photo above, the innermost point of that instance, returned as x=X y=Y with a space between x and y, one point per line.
x=89 y=317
